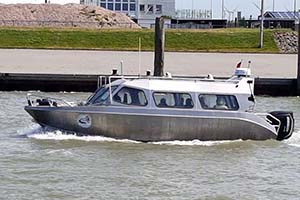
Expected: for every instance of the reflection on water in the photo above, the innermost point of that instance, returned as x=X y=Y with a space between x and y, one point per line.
x=45 y=164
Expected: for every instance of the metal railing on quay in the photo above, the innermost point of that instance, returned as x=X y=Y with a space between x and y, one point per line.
x=60 y=24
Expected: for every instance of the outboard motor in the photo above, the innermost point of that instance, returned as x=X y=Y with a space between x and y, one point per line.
x=286 y=124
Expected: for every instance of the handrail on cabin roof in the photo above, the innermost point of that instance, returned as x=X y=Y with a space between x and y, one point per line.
x=201 y=79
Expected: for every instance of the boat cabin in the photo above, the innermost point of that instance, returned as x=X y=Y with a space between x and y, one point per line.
x=169 y=93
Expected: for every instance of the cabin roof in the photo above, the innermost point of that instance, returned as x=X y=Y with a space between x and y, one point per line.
x=205 y=86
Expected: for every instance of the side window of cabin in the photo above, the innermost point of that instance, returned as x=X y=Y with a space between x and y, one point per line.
x=218 y=102
x=173 y=100
x=131 y=96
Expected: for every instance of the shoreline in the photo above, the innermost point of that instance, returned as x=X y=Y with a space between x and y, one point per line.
x=149 y=51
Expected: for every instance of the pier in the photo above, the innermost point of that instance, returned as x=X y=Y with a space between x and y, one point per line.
x=88 y=83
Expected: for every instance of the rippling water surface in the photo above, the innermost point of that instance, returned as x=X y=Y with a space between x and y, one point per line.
x=39 y=164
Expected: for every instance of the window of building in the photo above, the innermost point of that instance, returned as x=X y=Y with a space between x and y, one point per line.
x=158 y=9
x=173 y=100
x=142 y=8
x=125 y=0
x=150 y=9
x=218 y=102
x=131 y=96
x=125 y=7
x=117 y=0
x=118 y=6
x=103 y=5
x=132 y=7
x=132 y=1
x=110 y=6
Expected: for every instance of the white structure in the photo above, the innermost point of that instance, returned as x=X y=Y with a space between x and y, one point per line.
x=144 y=11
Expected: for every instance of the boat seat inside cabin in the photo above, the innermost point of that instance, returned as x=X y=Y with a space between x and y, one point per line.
x=117 y=98
x=188 y=103
x=220 y=104
x=125 y=98
x=163 y=103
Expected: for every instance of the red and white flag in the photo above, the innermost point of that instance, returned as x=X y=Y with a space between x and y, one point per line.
x=239 y=65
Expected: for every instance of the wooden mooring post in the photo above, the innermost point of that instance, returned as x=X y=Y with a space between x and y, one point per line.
x=159 y=47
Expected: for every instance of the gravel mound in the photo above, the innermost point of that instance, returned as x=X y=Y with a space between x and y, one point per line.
x=69 y=15
x=287 y=42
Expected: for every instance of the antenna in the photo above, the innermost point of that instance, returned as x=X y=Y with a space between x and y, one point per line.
x=140 y=46
x=249 y=63
x=121 y=65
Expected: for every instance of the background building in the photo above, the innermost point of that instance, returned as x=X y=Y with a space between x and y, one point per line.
x=196 y=19
x=276 y=19
x=143 y=12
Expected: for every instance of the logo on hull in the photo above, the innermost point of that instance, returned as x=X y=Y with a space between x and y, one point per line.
x=85 y=121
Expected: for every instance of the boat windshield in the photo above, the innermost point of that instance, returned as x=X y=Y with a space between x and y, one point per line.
x=101 y=95
x=131 y=96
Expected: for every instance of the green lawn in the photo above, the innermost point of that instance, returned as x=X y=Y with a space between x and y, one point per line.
x=219 y=40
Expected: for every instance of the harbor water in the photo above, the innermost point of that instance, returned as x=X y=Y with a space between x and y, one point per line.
x=41 y=164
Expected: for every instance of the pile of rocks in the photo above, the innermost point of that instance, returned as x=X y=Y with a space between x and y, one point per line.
x=287 y=42
x=69 y=15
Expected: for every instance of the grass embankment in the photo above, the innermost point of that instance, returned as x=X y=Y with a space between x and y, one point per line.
x=220 y=40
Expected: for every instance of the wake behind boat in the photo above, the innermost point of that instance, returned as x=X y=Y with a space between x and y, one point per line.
x=150 y=109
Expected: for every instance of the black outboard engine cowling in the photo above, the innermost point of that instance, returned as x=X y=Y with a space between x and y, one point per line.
x=286 y=124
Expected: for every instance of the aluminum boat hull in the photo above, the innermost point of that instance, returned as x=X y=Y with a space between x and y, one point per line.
x=151 y=125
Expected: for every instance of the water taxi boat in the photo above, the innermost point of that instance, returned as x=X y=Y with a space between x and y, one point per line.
x=149 y=109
